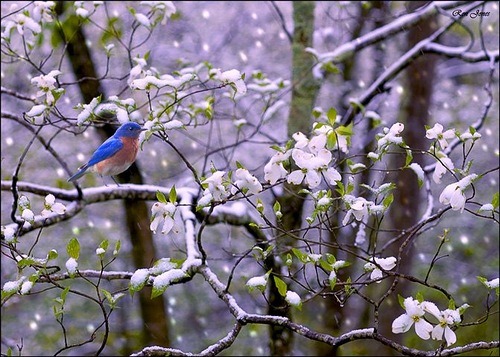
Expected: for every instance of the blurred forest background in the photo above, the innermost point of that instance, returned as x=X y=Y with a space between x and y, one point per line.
x=372 y=79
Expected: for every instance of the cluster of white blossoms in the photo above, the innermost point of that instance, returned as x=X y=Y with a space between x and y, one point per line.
x=387 y=137
x=26 y=20
x=442 y=137
x=217 y=187
x=454 y=193
x=386 y=263
x=360 y=208
x=51 y=205
x=163 y=212
x=232 y=77
x=415 y=312
x=46 y=84
x=312 y=158
x=27 y=214
x=443 y=163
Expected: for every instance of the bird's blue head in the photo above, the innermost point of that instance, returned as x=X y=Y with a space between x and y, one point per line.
x=128 y=130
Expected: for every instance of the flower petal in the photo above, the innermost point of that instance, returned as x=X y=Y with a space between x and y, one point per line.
x=402 y=324
x=449 y=336
x=423 y=329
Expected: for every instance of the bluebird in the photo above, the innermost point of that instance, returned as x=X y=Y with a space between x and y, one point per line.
x=115 y=155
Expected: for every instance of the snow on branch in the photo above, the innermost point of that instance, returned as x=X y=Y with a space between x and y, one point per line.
x=427 y=45
x=229 y=215
x=398 y=25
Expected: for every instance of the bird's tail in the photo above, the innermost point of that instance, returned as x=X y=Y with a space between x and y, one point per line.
x=81 y=171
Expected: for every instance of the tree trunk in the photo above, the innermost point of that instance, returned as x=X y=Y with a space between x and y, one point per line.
x=154 y=314
x=414 y=113
x=304 y=91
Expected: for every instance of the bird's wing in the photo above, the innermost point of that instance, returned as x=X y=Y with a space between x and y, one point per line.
x=106 y=150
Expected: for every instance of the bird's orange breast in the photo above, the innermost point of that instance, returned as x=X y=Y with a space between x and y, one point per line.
x=120 y=161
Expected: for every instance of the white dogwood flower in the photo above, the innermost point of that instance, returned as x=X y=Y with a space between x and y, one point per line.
x=215 y=186
x=245 y=181
x=163 y=212
x=274 y=169
x=386 y=263
x=437 y=133
x=453 y=194
x=47 y=85
x=51 y=205
x=358 y=206
x=446 y=319
x=414 y=315
x=442 y=166
x=392 y=135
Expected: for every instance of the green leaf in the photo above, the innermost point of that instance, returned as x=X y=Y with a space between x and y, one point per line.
x=260 y=206
x=495 y=200
x=268 y=250
x=118 y=245
x=104 y=244
x=25 y=262
x=160 y=197
x=281 y=285
x=340 y=188
x=34 y=277
x=6 y=294
x=464 y=307
x=108 y=296
x=357 y=104
x=332 y=116
x=333 y=282
x=56 y=310
x=52 y=254
x=277 y=148
x=482 y=280
x=420 y=297
x=344 y=130
x=409 y=157
x=64 y=293
x=350 y=187
x=173 y=195
x=331 y=140
x=303 y=257
x=401 y=301
x=277 y=206
x=58 y=92
x=451 y=304
x=239 y=165
x=113 y=30
x=330 y=258
x=388 y=200
x=348 y=287
x=330 y=68
x=304 y=191
x=325 y=265
x=157 y=291
x=73 y=248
